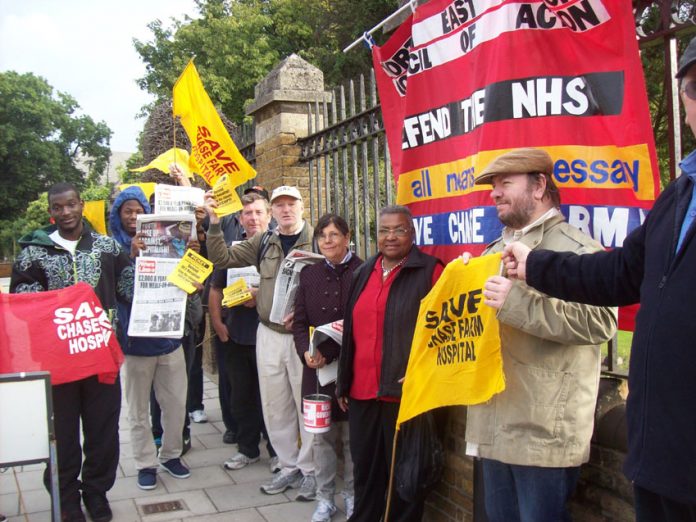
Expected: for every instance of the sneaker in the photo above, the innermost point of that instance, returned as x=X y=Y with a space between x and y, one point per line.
x=97 y=506
x=282 y=482
x=198 y=416
x=349 y=501
x=185 y=445
x=147 y=478
x=274 y=464
x=239 y=460
x=229 y=437
x=308 y=489
x=324 y=511
x=175 y=468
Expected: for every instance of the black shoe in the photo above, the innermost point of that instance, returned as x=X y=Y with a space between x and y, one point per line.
x=73 y=514
x=230 y=437
x=97 y=506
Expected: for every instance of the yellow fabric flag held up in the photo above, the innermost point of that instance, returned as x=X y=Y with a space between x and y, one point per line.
x=94 y=213
x=455 y=356
x=213 y=153
x=173 y=155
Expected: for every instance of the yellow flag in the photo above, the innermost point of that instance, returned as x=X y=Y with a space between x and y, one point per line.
x=173 y=155
x=455 y=356
x=94 y=213
x=191 y=268
x=226 y=197
x=147 y=188
x=212 y=150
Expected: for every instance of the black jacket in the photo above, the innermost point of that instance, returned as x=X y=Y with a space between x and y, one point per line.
x=660 y=409
x=412 y=283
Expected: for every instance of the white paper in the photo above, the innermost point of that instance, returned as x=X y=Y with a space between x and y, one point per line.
x=248 y=273
x=287 y=281
x=174 y=199
x=333 y=331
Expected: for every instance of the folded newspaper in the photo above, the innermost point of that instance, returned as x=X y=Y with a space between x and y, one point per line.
x=173 y=199
x=320 y=334
x=288 y=280
x=166 y=235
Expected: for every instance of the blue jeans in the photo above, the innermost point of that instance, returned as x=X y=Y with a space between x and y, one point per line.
x=527 y=493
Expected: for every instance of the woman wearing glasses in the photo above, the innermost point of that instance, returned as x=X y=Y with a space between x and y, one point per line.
x=378 y=329
x=320 y=300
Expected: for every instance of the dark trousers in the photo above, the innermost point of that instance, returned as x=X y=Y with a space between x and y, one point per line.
x=245 y=398
x=651 y=507
x=371 y=425
x=98 y=406
x=194 y=399
x=224 y=388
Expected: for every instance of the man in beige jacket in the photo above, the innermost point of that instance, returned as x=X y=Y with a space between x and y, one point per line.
x=534 y=436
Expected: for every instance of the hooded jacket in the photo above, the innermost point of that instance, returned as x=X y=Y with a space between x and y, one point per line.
x=141 y=346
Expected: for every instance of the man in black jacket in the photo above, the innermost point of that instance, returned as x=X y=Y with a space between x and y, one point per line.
x=655 y=267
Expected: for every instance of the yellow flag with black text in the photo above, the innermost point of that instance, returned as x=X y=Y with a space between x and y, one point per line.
x=455 y=356
x=213 y=153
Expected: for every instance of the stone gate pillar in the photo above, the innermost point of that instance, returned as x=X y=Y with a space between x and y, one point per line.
x=280 y=114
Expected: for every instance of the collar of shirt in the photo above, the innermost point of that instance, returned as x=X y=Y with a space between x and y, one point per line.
x=510 y=235
x=347 y=257
x=299 y=228
x=688 y=166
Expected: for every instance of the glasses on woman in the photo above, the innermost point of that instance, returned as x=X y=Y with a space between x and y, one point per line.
x=331 y=236
x=689 y=89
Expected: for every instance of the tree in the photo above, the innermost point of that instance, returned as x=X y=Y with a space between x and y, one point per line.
x=42 y=137
x=237 y=42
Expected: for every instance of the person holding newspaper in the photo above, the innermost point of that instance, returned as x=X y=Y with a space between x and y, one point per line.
x=151 y=362
x=320 y=300
x=280 y=371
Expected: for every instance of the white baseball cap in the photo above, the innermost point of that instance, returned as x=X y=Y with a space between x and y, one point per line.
x=286 y=190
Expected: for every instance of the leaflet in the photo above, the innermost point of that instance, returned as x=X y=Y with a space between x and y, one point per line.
x=192 y=268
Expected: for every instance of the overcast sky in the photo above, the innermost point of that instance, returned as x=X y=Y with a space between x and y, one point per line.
x=84 y=48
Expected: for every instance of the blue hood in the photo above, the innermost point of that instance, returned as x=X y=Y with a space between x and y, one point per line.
x=115 y=226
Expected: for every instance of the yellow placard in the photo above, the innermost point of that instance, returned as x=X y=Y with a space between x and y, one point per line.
x=193 y=268
x=94 y=213
x=236 y=294
x=162 y=162
x=226 y=197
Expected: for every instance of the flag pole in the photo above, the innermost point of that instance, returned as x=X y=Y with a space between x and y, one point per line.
x=391 y=475
x=408 y=5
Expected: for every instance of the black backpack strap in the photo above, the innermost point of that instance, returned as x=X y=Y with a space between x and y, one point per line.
x=263 y=247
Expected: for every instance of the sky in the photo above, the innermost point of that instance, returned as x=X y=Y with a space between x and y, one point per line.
x=84 y=48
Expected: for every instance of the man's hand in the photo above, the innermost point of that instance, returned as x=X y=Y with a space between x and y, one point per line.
x=210 y=204
x=178 y=174
x=251 y=303
x=137 y=244
x=200 y=214
x=318 y=361
x=288 y=320
x=342 y=403
x=515 y=260
x=194 y=245
x=496 y=291
x=465 y=257
x=221 y=331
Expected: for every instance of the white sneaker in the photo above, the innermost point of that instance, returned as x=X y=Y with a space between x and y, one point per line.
x=274 y=464
x=282 y=482
x=239 y=460
x=198 y=416
x=308 y=489
x=324 y=511
x=349 y=501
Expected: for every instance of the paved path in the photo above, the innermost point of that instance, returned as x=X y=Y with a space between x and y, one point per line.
x=210 y=494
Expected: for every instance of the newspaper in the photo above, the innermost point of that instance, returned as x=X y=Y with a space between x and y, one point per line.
x=248 y=273
x=159 y=307
x=320 y=334
x=173 y=199
x=288 y=280
x=166 y=235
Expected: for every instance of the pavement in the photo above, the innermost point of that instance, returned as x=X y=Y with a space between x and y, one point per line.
x=211 y=494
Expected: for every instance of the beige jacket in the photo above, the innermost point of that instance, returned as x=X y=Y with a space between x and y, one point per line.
x=246 y=254
x=551 y=360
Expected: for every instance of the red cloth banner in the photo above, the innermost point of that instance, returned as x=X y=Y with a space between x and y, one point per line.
x=65 y=332
x=463 y=81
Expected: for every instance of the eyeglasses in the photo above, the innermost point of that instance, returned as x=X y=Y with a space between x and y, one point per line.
x=689 y=89
x=333 y=236
x=398 y=232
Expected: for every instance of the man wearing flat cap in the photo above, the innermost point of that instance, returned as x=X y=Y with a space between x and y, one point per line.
x=655 y=267
x=533 y=437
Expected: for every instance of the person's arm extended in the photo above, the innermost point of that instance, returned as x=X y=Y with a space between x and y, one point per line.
x=239 y=255
x=215 y=311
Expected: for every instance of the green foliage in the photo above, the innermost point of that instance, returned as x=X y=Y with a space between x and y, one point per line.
x=237 y=42
x=35 y=217
x=42 y=139
x=94 y=192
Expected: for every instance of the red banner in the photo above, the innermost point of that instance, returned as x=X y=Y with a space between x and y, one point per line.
x=463 y=81
x=65 y=332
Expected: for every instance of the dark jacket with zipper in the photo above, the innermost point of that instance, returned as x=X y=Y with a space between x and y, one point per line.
x=662 y=375
x=411 y=284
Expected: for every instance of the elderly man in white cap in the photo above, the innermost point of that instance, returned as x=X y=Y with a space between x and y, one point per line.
x=533 y=437
x=280 y=370
x=655 y=266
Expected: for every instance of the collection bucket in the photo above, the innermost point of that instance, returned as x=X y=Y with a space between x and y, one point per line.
x=317 y=413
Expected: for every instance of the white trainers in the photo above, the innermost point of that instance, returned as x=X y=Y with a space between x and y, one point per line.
x=324 y=511
x=274 y=464
x=198 y=416
x=239 y=460
x=349 y=501
x=308 y=489
x=282 y=482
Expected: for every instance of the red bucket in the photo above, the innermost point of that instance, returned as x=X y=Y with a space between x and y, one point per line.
x=317 y=413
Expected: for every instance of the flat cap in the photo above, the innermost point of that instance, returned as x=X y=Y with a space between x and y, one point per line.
x=688 y=58
x=518 y=161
